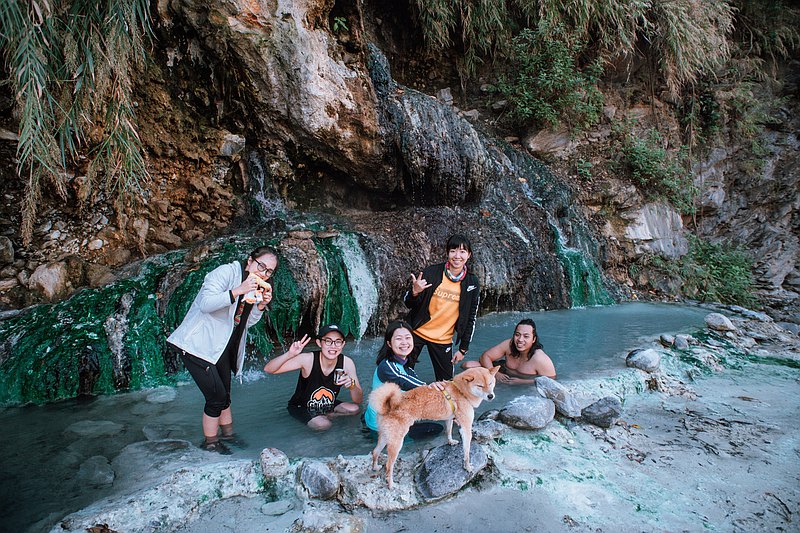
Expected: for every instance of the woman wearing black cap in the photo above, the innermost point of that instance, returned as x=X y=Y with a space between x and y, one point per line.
x=443 y=302
x=314 y=401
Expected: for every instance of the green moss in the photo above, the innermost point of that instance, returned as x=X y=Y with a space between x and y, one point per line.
x=45 y=350
x=340 y=306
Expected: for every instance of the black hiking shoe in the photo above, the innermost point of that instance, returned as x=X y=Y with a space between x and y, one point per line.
x=216 y=447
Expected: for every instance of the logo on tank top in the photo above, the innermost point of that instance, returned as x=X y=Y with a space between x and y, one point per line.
x=321 y=401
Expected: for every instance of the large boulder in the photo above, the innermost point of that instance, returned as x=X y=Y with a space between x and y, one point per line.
x=647 y=360
x=604 y=412
x=301 y=90
x=566 y=404
x=442 y=472
x=319 y=480
x=274 y=463
x=50 y=280
x=719 y=322
x=528 y=412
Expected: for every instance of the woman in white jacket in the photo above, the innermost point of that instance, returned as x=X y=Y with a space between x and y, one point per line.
x=212 y=337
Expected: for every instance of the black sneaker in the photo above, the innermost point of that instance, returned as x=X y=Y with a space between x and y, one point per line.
x=216 y=447
x=233 y=440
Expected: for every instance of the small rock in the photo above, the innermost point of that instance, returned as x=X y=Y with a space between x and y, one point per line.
x=487 y=430
x=7 y=284
x=445 y=96
x=94 y=428
x=748 y=313
x=55 y=235
x=528 y=412
x=274 y=463
x=95 y=244
x=319 y=480
x=161 y=432
x=666 y=340
x=790 y=327
x=162 y=395
x=96 y=471
x=277 y=508
x=232 y=144
x=681 y=342
x=442 y=472
x=6 y=251
x=604 y=412
x=491 y=414
x=98 y=275
x=747 y=342
x=50 y=280
x=472 y=114
x=647 y=360
x=719 y=322
x=500 y=104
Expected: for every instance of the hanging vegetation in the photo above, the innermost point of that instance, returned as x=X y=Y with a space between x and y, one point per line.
x=71 y=65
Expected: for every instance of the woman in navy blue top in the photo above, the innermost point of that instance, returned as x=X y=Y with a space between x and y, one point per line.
x=393 y=367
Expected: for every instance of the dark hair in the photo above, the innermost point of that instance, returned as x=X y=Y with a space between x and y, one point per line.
x=457 y=241
x=393 y=326
x=263 y=250
x=536 y=344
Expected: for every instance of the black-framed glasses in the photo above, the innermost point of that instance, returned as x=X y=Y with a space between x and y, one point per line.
x=332 y=342
x=262 y=267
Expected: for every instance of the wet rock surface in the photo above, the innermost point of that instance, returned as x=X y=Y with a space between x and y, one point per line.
x=442 y=473
x=528 y=412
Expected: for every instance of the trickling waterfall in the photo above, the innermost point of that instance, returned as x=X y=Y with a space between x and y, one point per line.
x=360 y=278
x=585 y=282
x=266 y=206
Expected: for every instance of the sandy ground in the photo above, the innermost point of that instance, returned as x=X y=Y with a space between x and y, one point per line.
x=719 y=453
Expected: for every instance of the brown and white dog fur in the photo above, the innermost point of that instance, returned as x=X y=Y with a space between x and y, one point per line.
x=398 y=410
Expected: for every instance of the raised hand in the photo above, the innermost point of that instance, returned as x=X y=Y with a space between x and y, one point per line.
x=297 y=346
x=249 y=284
x=418 y=284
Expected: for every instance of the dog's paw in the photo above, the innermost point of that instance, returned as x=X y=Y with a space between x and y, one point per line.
x=468 y=467
x=452 y=442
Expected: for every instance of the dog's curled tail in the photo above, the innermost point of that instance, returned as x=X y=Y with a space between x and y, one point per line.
x=385 y=397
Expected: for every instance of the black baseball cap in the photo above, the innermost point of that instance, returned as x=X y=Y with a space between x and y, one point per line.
x=324 y=330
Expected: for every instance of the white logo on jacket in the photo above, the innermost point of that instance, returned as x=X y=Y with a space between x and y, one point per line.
x=471 y=287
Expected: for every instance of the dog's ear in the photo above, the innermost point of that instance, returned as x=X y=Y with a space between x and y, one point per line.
x=494 y=370
x=469 y=379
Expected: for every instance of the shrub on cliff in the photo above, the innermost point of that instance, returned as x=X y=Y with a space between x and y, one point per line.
x=654 y=169
x=710 y=272
x=545 y=84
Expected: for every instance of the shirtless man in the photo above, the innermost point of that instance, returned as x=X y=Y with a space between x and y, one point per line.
x=520 y=358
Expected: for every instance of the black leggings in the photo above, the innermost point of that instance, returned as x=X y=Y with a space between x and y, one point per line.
x=214 y=381
x=441 y=357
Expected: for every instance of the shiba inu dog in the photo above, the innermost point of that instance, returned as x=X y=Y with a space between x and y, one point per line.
x=398 y=410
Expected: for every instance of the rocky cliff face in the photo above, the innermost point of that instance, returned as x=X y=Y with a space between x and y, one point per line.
x=288 y=102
